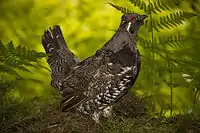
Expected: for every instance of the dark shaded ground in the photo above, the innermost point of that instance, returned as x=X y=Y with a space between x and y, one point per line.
x=131 y=115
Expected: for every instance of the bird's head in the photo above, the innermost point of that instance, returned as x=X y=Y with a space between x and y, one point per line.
x=132 y=21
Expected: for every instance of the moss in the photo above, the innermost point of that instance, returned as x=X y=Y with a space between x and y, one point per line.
x=131 y=115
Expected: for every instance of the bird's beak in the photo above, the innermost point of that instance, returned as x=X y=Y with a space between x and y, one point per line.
x=143 y=17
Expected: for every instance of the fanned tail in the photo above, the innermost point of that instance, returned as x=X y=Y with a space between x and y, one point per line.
x=60 y=58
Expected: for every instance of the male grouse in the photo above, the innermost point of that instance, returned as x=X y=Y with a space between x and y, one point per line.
x=93 y=85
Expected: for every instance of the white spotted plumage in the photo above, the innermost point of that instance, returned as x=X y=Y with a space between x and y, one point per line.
x=93 y=85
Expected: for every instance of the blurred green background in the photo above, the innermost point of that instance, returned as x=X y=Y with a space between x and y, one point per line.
x=170 y=70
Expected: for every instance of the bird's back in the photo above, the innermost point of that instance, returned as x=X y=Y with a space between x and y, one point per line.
x=101 y=79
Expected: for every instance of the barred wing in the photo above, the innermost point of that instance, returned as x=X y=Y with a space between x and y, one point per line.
x=98 y=83
x=107 y=87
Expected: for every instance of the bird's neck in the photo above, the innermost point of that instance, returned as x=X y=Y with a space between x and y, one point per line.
x=120 y=39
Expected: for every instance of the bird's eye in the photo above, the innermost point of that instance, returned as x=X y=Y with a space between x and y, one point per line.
x=132 y=18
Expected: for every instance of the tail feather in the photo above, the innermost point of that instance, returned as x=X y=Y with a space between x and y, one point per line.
x=61 y=59
x=58 y=36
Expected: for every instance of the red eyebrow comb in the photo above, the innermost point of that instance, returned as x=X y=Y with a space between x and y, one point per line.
x=132 y=17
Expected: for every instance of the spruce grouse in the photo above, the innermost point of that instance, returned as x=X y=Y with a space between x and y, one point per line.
x=91 y=86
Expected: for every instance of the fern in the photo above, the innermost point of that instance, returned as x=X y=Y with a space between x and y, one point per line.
x=12 y=61
x=122 y=9
x=171 y=20
x=154 y=6
x=160 y=47
x=139 y=4
x=173 y=41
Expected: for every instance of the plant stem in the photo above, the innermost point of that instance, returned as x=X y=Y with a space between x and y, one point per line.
x=152 y=38
x=171 y=90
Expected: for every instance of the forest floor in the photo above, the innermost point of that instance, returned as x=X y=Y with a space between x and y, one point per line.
x=130 y=115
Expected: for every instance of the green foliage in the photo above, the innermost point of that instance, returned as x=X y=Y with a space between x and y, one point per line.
x=169 y=46
x=172 y=41
x=169 y=21
x=161 y=44
x=122 y=9
x=12 y=61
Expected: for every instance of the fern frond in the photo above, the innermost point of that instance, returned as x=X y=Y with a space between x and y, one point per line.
x=139 y=3
x=120 y=8
x=161 y=5
x=13 y=59
x=3 y=49
x=30 y=55
x=5 y=85
x=9 y=70
x=19 y=56
x=173 y=41
x=10 y=48
x=170 y=21
x=15 y=62
x=20 y=66
x=155 y=6
x=145 y=43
